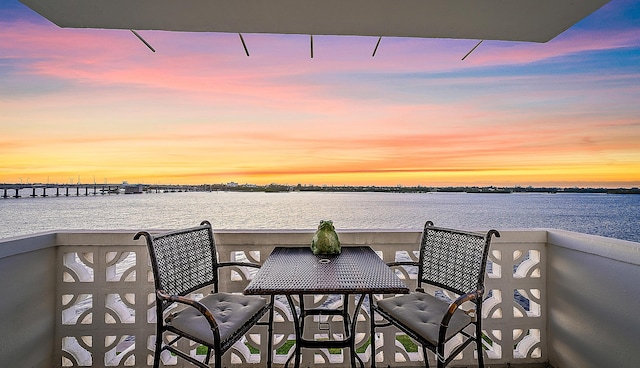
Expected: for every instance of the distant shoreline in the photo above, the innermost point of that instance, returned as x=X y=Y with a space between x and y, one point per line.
x=39 y=189
x=273 y=188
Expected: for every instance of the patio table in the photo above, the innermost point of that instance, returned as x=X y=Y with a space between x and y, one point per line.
x=297 y=271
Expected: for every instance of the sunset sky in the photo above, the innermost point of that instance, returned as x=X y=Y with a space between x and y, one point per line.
x=99 y=106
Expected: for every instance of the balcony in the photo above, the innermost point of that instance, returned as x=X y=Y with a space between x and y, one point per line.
x=86 y=299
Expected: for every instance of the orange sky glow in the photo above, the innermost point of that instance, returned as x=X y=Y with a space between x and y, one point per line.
x=98 y=106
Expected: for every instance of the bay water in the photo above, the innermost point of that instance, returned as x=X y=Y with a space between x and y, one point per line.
x=610 y=215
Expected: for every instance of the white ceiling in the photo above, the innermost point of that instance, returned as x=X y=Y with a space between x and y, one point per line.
x=512 y=20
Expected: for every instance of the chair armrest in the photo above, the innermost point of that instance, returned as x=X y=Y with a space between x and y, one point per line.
x=195 y=304
x=243 y=264
x=403 y=263
x=472 y=295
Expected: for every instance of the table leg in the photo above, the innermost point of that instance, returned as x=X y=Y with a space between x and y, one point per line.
x=350 y=324
x=354 y=323
x=270 y=332
x=298 y=330
x=372 y=325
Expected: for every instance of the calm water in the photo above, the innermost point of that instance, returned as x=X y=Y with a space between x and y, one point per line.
x=616 y=216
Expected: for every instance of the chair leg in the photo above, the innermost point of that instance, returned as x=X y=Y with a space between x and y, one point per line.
x=426 y=357
x=218 y=360
x=372 y=324
x=440 y=355
x=156 y=353
x=208 y=357
x=479 y=345
x=159 y=328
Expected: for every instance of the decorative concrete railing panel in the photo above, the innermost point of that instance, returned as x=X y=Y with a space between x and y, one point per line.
x=104 y=302
x=106 y=317
x=84 y=298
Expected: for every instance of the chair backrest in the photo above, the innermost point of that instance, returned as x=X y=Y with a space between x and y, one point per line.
x=452 y=259
x=183 y=260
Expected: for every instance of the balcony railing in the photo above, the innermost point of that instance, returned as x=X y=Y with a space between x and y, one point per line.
x=85 y=298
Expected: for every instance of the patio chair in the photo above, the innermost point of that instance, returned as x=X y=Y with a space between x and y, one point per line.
x=184 y=261
x=453 y=262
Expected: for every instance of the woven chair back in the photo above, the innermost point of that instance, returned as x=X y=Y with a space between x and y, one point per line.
x=185 y=260
x=451 y=259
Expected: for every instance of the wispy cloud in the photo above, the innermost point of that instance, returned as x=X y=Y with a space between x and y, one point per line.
x=83 y=102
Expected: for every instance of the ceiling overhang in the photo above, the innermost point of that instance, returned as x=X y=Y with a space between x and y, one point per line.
x=509 y=20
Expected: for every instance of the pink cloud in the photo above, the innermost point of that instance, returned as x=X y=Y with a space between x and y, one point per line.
x=199 y=102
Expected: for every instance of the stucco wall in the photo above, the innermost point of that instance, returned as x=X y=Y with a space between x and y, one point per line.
x=27 y=289
x=593 y=296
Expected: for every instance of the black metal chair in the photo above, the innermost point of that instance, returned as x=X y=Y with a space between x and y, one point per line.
x=184 y=261
x=453 y=261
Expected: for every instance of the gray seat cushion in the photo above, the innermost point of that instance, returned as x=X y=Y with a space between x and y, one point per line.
x=422 y=313
x=231 y=312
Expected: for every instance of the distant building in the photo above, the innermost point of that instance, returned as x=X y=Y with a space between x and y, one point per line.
x=133 y=188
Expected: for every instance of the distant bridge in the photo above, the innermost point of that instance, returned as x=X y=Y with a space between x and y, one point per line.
x=67 y=190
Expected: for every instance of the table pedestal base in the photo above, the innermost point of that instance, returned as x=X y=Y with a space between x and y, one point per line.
x=349 y=329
